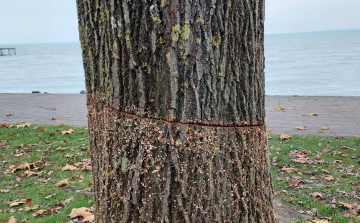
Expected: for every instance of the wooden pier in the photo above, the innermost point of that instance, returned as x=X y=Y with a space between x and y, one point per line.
x=7 y=51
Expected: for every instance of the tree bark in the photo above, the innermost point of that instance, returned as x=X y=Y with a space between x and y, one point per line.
x=175 y=96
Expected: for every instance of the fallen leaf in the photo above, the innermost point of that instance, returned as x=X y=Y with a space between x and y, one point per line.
x=347 y=205
x=326 y=150
x=86 y=168
x=324 y=128
x=23 y=125
x=89 y=218
x=80 y=212
x=280 y=108
x=29 y=173
x=4 y=125
x=285 y=136
x=4 y=191
x=288 y=170
x=320 y=221
x=70 y=131
x=311 y=114
x=77 y=164
x=19 y=154
x=12 y=220
x=50 y=196
x=40 y=213
x=47 y=211
x=300 y=160
x=69 y=167
x=301 y=127
x=32 y=208
x=329 y=178
x=62 y=183
x=21 y=167
x=62 y=148
x=317 y=194
x=294 y=183
x=18 y=202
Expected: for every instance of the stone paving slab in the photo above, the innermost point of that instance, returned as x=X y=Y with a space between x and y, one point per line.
x=340 y=114
x=40 y=108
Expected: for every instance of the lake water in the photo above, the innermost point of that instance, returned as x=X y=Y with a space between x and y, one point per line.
x=321 y=63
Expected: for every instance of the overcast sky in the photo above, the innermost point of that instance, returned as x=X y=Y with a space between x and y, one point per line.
x=38 y=21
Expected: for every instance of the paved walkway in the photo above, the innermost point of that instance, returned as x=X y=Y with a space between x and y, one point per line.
x=340 y=114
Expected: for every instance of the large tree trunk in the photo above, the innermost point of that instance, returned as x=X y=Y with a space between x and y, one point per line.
x=175 y=96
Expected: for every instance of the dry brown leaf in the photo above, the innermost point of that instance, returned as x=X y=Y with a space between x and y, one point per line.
x=47 y=211
x=324 y=128
x=40 y=213
x=28 y=166
x=32 y=208
x=288 y=170
x=69 y=155
x=280 y=108
x=50 y=196
x=300 y=160
x=18 y=202
x=12 y=220
x=69 y=167
x=317 y=194
x=77 y=164
x=4 y=125
x=62 y=148
x=70 y=131
x=23 y=125
x=4 y=191
x=311 y=114
x=62 y=183
x=19 y=154
x=21 y=167
x=329 y=178
x=29 y=173
x=347 y=205
x=320 y=221
x=285 y=136
x=294 y=183
x=90 y=218
x=301 y=127
x=82 y=212
x=86 y=168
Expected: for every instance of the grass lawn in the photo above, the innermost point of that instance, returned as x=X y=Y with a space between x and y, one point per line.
x=318 y=176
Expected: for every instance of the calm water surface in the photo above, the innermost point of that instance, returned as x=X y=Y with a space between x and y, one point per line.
x=322 y=63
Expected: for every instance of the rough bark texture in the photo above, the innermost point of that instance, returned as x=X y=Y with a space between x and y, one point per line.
x=175 y=93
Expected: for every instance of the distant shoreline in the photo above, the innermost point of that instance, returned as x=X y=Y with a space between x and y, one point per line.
x=295 y=96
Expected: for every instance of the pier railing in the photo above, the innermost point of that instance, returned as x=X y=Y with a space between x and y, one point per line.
x=7 y=51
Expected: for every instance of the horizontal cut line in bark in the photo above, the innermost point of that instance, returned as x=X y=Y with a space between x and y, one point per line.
x=175 y=122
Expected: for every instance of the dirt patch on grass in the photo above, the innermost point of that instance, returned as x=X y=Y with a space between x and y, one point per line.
x=285 y=213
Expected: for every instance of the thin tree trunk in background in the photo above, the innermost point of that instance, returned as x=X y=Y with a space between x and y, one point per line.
x=175 y=96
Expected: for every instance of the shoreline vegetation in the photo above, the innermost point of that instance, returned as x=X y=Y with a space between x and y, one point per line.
x=45 y=174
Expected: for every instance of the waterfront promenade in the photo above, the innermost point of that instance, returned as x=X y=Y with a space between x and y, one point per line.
x=340 y=114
